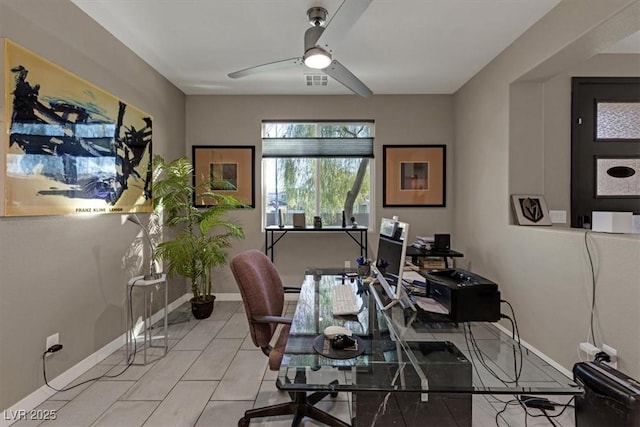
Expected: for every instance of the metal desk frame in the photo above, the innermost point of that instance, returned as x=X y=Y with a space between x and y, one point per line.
x=270 y=240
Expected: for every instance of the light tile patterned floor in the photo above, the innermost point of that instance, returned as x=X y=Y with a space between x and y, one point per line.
x=210 y=376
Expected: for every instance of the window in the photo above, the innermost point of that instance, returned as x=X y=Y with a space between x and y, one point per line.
x=317 y=168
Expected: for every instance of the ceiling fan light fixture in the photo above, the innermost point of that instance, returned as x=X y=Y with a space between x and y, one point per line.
x=317 y=58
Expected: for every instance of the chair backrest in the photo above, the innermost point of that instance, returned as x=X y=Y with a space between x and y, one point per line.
x=262 y=292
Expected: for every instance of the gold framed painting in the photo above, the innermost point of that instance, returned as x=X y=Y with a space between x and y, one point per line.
x=414 y=175
x=70 y=147
x=226 y=170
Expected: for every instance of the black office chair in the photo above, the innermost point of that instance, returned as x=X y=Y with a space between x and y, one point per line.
x=263 y=296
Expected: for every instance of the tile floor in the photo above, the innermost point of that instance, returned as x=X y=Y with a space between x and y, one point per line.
x=210 y=376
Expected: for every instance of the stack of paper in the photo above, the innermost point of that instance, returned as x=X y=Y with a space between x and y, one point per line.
x=423 y=242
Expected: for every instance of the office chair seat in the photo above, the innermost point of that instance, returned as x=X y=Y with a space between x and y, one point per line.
x=263 y=296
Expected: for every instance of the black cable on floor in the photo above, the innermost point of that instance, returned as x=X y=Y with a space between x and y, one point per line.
x=130 y=359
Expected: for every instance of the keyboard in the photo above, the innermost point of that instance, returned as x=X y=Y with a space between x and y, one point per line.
x=344 y=301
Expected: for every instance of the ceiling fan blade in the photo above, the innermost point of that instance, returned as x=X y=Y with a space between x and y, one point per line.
x=342 y=21
x=339 y=72
x=286 y=63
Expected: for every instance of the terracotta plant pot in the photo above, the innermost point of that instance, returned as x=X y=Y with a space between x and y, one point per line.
x=202 y=309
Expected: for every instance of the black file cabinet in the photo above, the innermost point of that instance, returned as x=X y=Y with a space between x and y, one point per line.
x=445 y=367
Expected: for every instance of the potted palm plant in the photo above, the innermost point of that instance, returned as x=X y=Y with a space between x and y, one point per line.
x=202 y=234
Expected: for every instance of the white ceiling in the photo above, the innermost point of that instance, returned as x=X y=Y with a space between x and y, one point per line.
x=396 y=47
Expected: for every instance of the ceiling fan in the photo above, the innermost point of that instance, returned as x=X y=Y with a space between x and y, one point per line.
x=317 y=42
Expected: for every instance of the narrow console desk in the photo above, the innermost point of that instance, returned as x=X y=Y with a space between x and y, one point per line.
x=357 y=234
x=412 y=372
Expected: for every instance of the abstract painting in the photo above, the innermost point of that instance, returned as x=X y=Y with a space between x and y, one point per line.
x=71 y=147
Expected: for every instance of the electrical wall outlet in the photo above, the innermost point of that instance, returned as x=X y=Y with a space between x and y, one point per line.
x=558 y=216
x=347 y=264
x=613 y=355
x=52 y=340
x=589 y=349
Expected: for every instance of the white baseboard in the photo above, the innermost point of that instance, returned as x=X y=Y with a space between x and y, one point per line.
x=538 y=353
x=9 y=415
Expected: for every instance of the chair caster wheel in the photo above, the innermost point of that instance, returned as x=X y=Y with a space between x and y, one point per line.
x=243 y=422
x=334 y=394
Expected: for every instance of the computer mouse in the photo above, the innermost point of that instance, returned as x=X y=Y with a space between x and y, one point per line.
x=332 y=331
x=340 y=342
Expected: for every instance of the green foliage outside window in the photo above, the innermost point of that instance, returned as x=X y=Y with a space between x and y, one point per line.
x=323 y=186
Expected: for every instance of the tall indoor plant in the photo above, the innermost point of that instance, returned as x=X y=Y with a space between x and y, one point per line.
x=202 y=234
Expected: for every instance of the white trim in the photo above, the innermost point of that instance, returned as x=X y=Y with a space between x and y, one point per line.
x=538 y=353
x=43 y=393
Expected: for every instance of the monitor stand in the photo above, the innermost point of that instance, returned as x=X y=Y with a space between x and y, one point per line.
x=399 y=296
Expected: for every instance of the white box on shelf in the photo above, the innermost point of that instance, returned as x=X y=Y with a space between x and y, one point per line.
x=612 y=222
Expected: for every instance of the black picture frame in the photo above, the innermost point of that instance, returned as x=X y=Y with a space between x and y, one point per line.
x=414 y=175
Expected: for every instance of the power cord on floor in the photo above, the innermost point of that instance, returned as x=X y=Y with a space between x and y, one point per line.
x=57 y=347
x=540 y=403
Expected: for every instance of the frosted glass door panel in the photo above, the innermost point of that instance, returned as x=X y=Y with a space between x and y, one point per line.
x=618 y=120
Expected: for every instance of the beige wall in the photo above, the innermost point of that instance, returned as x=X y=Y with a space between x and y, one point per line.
x=557 y=120
x=413 y=119
x=543 y=272
x=66 y=274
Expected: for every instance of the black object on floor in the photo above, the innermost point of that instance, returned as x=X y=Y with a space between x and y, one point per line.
x=610 y=397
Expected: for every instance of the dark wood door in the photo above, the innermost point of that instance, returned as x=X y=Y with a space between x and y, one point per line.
x=605 y=146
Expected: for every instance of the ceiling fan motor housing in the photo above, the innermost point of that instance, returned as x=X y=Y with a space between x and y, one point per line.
x=317 y=16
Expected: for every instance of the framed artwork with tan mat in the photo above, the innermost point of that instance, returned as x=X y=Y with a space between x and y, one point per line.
x=228 y=169
x=414 y=175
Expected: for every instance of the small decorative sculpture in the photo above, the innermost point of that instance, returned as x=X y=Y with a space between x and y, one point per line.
x=354 y=223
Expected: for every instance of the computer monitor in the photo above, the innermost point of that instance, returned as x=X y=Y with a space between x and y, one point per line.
x=392 y=249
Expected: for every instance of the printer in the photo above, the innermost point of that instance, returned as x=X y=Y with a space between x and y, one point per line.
x=467 y=296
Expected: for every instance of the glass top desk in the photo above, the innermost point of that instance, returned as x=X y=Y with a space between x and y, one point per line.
x=405 y=352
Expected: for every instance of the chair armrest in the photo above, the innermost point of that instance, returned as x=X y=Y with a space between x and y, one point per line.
x=271 y=319
x=291 y=289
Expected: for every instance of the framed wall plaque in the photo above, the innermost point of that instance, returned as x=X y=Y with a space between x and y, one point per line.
x=530 y=209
